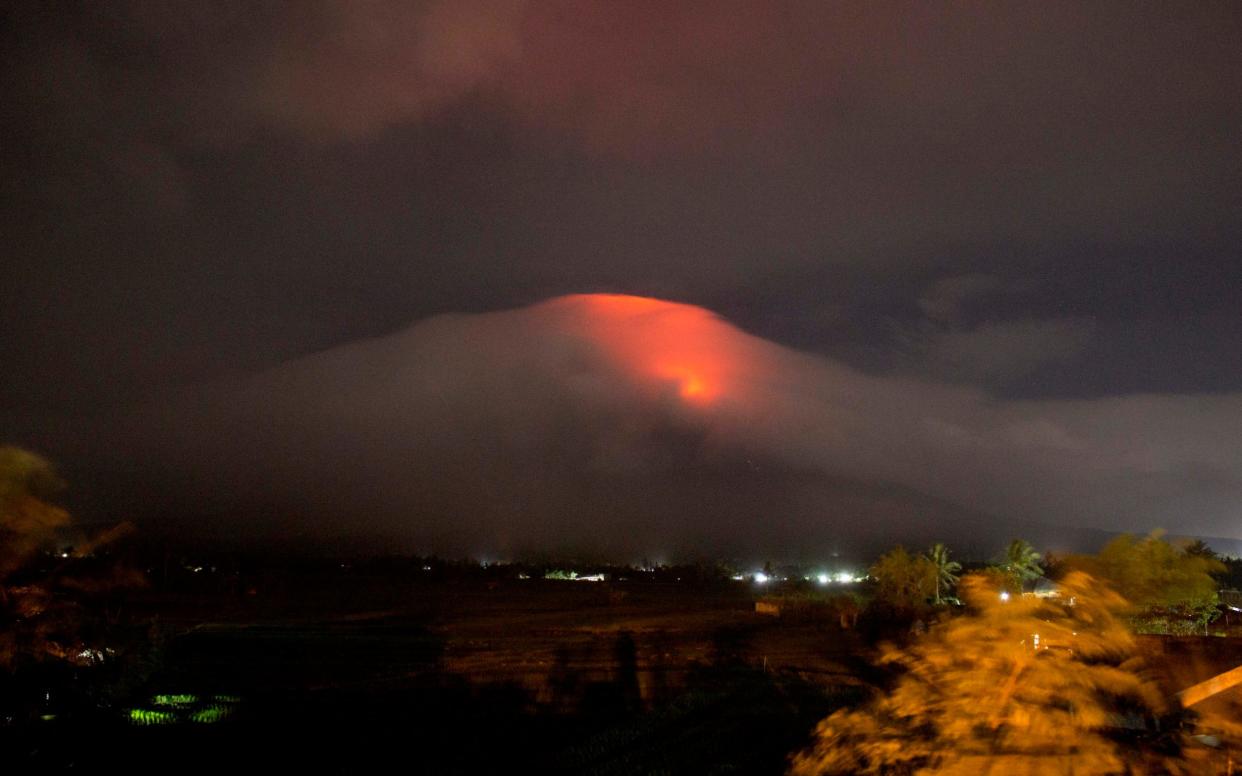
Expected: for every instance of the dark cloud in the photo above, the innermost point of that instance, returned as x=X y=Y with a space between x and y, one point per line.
x=996 y=354
x=944 y=301
x=656 y=427
x=1034 y=203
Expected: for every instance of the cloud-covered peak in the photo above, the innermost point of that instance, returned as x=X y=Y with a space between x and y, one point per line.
x=633 y=424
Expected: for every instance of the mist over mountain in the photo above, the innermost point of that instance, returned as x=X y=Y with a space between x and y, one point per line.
x=625 y=426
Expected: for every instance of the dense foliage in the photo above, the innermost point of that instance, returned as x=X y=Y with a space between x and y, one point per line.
x=946 y=570
x=904 y=581
x=1020 y=565
x=60 y=621
x=1025 y=685
x=35 y=622
x=1170 y=589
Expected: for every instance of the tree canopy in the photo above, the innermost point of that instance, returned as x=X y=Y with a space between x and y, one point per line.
x=903 y=580
x=946 y=570
x=1021 y=564
x=1027 y=685
x=41 y=592
x=28 y=520
x=1157 y=575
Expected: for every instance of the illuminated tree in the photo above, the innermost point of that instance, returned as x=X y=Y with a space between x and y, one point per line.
x=902 y=580
x=946 y=570
x=28 y=524
x=27 y=520
x=1158 y=577
x=41 y=591
x=1024 y=686
x=1021 y=564
x=1200 y=549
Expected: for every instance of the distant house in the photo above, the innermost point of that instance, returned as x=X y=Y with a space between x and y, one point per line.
x=1043 y=587
x=1231 y=599
x=1230 y=606
x=770 y=608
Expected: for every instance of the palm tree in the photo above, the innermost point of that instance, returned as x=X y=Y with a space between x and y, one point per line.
x=1021 y=563
x=946 y=570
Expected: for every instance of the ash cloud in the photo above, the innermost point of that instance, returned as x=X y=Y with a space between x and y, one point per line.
x=954 y=210
x=541 y=428
x=188 y=189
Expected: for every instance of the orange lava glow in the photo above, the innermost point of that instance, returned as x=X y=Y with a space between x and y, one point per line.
x=692 y=386
x=679 y=349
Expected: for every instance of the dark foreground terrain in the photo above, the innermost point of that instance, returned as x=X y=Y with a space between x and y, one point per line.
x=465 y=677
x=352 y=672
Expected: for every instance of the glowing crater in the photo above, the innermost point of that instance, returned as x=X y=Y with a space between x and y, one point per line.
x=681 y=348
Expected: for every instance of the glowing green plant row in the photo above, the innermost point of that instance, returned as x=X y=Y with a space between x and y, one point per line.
x=150 y=717
x=179 y=708
x=210 y=714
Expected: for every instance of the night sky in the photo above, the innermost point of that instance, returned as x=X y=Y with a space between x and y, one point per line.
x=938 y=271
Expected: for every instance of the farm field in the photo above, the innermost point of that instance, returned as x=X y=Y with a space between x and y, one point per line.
x=474 y=676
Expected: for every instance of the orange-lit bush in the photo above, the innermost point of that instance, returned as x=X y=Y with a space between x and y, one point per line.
x=1170 y=589
x=42 y=590
x=904 y=581
x=1024 y=685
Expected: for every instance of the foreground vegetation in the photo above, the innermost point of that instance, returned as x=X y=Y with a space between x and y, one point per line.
x=1019 y=685
x=930 y=664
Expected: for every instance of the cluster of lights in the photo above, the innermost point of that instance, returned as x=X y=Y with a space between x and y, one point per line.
x=841 y=578
x=573 y=576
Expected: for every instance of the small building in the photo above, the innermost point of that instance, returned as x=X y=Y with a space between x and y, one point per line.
x=1043 y=587
x=770 y=608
